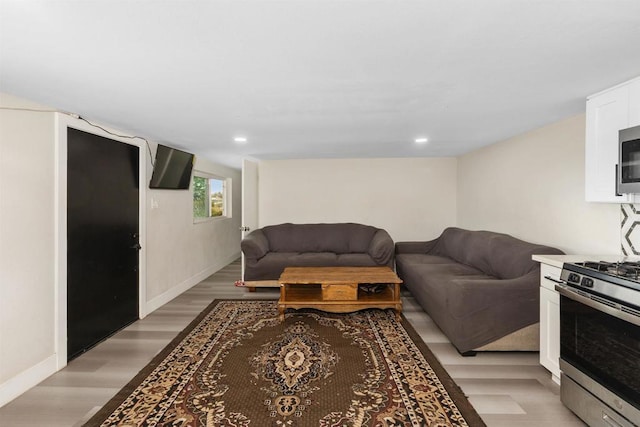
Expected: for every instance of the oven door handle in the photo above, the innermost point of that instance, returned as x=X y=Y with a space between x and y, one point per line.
x=610 y=421
x=613 y=311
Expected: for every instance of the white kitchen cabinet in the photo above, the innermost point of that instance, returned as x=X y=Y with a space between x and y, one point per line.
x=608 y=112
x=550 y=321
x=634 y=103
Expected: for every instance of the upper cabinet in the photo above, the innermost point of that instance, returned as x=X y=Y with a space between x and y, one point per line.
x=634 y=103
x=608 y=112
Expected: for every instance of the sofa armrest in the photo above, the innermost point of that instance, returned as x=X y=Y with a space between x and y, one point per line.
x=381 y=248
x=255 y=245
x=415 y=247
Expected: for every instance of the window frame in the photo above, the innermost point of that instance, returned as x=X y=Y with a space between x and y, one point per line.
x=226 y=197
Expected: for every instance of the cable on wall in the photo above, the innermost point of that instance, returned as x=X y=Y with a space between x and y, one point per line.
x=77 y=116
x=120 y=136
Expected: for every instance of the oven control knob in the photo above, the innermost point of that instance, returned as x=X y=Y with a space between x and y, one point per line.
x=618 y=404
x=587 y=282
x=574 y=278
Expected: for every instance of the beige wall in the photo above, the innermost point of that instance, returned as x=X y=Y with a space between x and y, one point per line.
x=413 y=199
x=27 y=244
x=532 y=186
x=179 y=253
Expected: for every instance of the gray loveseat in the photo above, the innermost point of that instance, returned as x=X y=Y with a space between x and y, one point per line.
x=481 y=288
x=270 y=249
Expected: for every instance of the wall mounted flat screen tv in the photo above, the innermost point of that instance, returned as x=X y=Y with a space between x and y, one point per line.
x=172 y=169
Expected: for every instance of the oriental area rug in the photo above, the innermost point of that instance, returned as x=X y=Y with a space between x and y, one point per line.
x=238 y=365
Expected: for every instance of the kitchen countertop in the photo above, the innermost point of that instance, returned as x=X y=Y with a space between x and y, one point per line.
x=558 y=260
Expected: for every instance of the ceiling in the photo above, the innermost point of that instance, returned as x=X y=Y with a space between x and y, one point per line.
x=318 y=79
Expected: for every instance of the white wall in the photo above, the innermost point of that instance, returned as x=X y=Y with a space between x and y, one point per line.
x=27 y=240
x=179 y=253
x=532 y=186
x=411 y=198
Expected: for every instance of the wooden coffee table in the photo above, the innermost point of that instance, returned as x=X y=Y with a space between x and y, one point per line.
x=337 y=290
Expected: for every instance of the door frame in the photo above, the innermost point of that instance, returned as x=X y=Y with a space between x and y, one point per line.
x=62 y=122
x=250 y=201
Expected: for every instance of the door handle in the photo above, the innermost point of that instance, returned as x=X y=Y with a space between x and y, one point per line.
x=136 y=245
x=554 y=280
x=244 y=228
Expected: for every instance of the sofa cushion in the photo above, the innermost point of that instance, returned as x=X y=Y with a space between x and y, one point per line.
x=433 y=281
x=338 y=238
x=447 y=269
x=273 y=263
x=475 y=294
x=316 y=259
x=355 y=260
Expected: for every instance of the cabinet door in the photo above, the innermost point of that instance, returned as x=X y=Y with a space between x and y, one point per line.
x=550 y=331
x=606 y=115
x=634 y=103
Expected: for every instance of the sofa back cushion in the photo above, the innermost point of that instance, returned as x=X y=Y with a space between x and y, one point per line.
x=496 y=254
x=341 y=238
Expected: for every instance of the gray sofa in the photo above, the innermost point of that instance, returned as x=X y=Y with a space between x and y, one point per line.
x=270 y=249
x=481 y=288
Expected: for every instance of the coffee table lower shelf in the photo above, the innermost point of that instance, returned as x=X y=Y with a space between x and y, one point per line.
x=298 y=296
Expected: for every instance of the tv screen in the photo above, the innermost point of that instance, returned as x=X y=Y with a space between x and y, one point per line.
x=172 y=169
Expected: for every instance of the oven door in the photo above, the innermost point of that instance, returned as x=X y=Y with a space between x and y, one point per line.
x=600 y=350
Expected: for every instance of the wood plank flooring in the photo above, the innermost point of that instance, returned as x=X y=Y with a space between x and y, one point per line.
x=507 y=389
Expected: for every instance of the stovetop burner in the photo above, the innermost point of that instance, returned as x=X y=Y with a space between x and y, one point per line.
x=626 y=269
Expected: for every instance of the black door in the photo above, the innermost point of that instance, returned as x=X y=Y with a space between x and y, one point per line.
x=102 y=238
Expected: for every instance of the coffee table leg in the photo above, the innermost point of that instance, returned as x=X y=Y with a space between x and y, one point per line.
x=282 y=300
x=396 y=297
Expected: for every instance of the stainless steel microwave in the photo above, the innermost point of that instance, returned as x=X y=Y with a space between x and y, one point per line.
x=629 y=161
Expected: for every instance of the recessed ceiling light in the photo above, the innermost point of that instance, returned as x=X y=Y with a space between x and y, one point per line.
x=421 y=140
x=240 y=139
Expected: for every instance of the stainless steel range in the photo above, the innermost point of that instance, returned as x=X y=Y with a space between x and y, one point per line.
x=600 y=341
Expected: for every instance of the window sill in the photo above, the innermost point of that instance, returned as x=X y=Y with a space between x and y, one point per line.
x=209 y=219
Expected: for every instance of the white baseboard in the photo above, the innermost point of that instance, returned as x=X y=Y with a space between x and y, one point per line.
x=22 y=382
x=167 y=296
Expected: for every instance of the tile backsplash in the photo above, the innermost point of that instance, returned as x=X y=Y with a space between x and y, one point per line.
x=630 y=229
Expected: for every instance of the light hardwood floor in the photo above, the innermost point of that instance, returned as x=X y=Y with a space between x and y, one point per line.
x=507 y=389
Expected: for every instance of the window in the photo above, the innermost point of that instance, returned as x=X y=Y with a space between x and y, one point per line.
x=210 y=196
